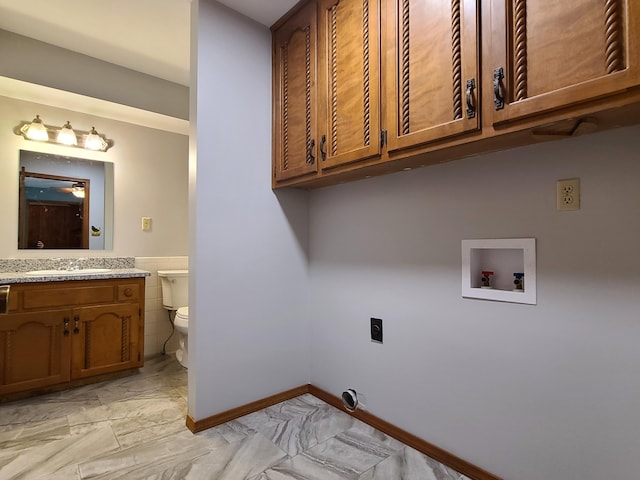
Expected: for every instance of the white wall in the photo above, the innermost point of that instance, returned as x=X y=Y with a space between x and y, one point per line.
x=528 y=392
x=248 y=331
x=150 y=176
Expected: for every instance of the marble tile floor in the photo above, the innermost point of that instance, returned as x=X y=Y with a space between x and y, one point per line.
x=134 y=428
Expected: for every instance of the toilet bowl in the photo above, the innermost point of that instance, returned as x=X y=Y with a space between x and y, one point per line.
x=175 y=298
x=181 y=324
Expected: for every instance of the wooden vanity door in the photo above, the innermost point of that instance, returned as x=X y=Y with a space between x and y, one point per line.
x=34 y=350
x=105 y=339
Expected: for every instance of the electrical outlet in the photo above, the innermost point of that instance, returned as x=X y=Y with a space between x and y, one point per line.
x=568 y=194
x=146 y=224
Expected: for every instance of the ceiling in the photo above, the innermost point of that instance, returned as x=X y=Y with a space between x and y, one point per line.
x=150 y=36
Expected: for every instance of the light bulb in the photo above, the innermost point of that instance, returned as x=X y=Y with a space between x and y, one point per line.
x=37 y=130
x=67 y=136
x=93 y=140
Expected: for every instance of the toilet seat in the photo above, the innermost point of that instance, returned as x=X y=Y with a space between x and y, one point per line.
x=181 y=319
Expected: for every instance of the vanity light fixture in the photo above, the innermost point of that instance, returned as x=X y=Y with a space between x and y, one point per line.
x=65 y=135
x=36 y=130
x=93 y=141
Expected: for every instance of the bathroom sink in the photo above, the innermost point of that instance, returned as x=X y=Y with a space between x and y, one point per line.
x=60 y=273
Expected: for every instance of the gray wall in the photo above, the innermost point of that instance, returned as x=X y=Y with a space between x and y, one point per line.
x=549 y=391
x=37 y=62
x=248 y=330
x=528 y=392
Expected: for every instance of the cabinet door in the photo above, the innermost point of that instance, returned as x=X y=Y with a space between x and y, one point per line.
x=105 y=339
x=548 y=55
x=294 y=96
x=35 y=350
x=430 y=70
x=349 y=78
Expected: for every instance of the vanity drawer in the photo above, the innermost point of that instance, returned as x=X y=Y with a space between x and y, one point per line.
x=128 y=291
x=63 y=296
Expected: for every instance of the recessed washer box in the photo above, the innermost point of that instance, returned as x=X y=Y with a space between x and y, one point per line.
x=504 y=257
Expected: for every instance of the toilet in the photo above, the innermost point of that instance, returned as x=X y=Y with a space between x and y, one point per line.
x=175 y=298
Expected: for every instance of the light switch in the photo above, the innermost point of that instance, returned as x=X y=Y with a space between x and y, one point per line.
x=146 y=224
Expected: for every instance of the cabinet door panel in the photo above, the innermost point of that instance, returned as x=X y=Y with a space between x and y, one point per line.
x=295 y=97
x=556 y=54
x=431 y=54
x=34 y=350
x=105 y=339
x=349 y=81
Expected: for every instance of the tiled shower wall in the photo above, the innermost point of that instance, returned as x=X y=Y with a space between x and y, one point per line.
x=157 y=327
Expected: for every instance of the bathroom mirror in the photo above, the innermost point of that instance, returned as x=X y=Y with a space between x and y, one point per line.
x=65 y=202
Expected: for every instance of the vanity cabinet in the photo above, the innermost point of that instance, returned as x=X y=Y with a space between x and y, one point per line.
x=58 y=333
x=551 y=55
x=400 y=84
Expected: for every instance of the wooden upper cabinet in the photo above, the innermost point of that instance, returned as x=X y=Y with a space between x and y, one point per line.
x=295 y=96
x=430 y=70
x=349 y=81
x=549 y=55
x=372 y=86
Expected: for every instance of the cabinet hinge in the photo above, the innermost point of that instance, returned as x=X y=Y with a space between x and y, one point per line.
x=383 y=138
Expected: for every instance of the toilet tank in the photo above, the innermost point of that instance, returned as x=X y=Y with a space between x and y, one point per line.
x=175 y=288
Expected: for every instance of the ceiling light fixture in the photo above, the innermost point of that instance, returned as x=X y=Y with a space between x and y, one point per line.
x=65 y=135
